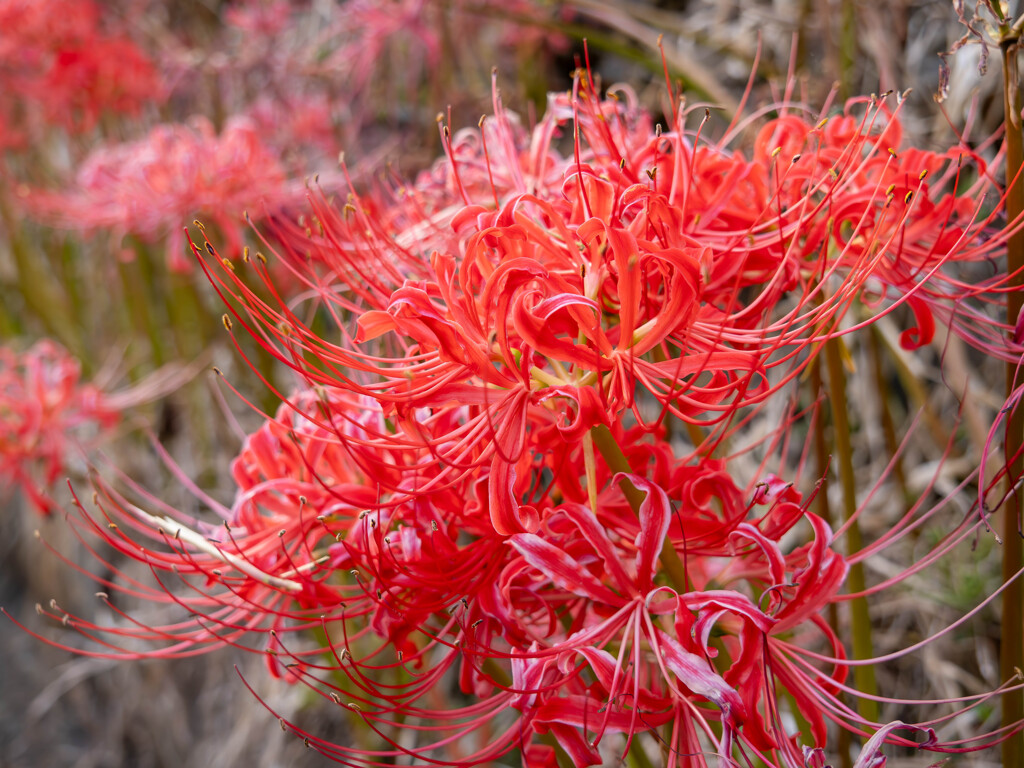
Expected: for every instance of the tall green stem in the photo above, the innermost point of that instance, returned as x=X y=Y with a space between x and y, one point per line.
x=44 y=299
x=892 y=443
x=821 y=454
x=860 y=618
x=1012 y=630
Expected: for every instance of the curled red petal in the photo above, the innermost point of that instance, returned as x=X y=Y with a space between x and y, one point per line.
x=563 y=569
x=655 y=515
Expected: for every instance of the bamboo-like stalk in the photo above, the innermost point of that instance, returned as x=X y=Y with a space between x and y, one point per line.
x=860 y=617
x=821 y=455
x=605 y=442
x=1012 y=629
x=45 y=300
x=848 y=47
x=892 y=443
x=139 y=304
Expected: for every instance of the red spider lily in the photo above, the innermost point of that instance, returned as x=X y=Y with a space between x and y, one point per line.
x=43 y=404
x=58 y=66
x=572 y=630
x=48 y=414
x=152 y=186
x=567 y=292
x=305 y=510
x=432 y=508
x=259 y=17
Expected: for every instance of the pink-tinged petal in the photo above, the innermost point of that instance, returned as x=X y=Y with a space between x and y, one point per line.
x=780 y=518
x=702 y=630
x=564 y=570
x=773 y=488
x=511 y=275
x=655 y=516
x=539 y=756
x=592 y=530
x=814 y=757
x=733 y=602
x=546 y=308
x=472 y=219
x=580 y=751
x=605 y=666
x=771 y=550
x=870 y=757
x=510 y=435
x=554 y=339
x=924 y=331
x=696 y=673
x=584 y=712
x=818 y=581
x=508 y=516
x=527 y=675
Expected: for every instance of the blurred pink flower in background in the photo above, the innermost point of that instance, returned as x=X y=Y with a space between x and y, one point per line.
x=154 y=186
x=260 y=17
x=59 y=65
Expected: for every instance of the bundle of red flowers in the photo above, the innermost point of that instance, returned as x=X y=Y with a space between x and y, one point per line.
x=59 y=66
x=474 y=528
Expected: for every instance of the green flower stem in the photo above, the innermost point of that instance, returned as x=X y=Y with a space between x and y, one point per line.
x=616 y=461
x=637 y=756
x=892 y=443
x=821 y=454
x=37 y=290
x=8 y=327
x=191 y=323
x=69 y=262
x=1012 y=629
x=848 y=47
x=137 y=282
x=860 y=618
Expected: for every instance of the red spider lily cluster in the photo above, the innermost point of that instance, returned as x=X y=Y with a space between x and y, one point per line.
x=45 y=408
x=150 y=186
x=275 y=75
x=50 y=417
x=475 y=528
x=59 y=66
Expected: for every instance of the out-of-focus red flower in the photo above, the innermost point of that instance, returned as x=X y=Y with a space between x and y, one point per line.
x=46 y=413
x=260 y=17
x=50 y=416
x=103 y=75
x=153 y=186
x=59 y=66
